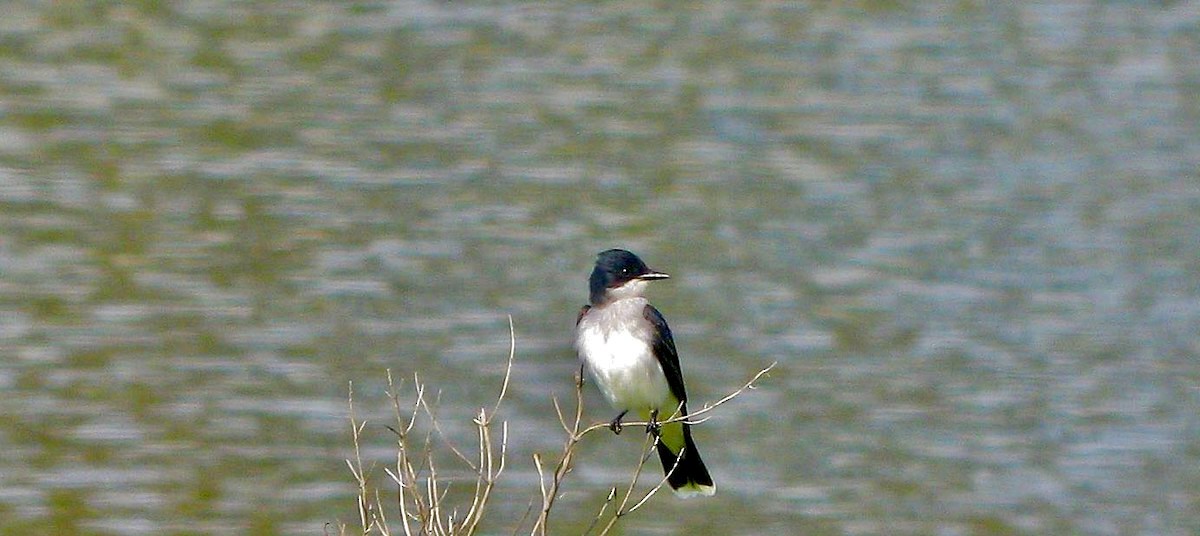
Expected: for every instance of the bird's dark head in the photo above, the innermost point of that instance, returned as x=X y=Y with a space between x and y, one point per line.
x=619 y=273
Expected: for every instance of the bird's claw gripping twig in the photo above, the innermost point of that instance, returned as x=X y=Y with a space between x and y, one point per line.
x=615 y=424
x=653 y=427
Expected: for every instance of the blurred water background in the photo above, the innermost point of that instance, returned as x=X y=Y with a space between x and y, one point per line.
x=968 y=231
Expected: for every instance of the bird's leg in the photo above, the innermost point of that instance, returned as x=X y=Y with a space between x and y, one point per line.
x=652 y=427
x=615 y=424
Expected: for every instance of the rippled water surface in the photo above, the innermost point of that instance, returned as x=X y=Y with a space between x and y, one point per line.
x=969 y=232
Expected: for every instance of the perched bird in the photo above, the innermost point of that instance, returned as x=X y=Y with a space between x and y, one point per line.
x=627 y=349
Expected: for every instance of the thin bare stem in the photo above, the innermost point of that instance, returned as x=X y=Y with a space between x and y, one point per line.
x=490 y=468
x=653 y=490
x=512 y=351
x=661 y=482
x=689 y=418
x=612 y=494
x=381 y=521
x=561 y=418
x=356 y=467
x=648 y=446
x=434 y=421
x=550 y=490
x=528 y=511
x=410 y=504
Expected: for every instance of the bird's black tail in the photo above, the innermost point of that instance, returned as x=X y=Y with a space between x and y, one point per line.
x=689 y=477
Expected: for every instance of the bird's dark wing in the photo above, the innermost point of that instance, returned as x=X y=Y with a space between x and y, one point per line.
x=582 y=312
x=664 y=350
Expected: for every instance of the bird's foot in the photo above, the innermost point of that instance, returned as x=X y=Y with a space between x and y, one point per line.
x=615 y=424
x=653 y=427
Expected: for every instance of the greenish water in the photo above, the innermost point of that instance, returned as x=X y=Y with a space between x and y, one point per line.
x=968 y=231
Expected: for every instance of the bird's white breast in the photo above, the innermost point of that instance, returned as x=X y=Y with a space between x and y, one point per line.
x=612 y=340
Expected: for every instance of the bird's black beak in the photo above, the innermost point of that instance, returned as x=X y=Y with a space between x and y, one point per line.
x=653 y=275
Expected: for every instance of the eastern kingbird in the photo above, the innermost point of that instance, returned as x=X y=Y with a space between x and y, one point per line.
x=627 y=348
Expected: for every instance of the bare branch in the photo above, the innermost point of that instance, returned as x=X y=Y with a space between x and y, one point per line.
x=749 y=385
x=512 y=351
x=356 y=467
x=433 y=420
x=612 y=494
x=561 y=418
x=550 y=490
